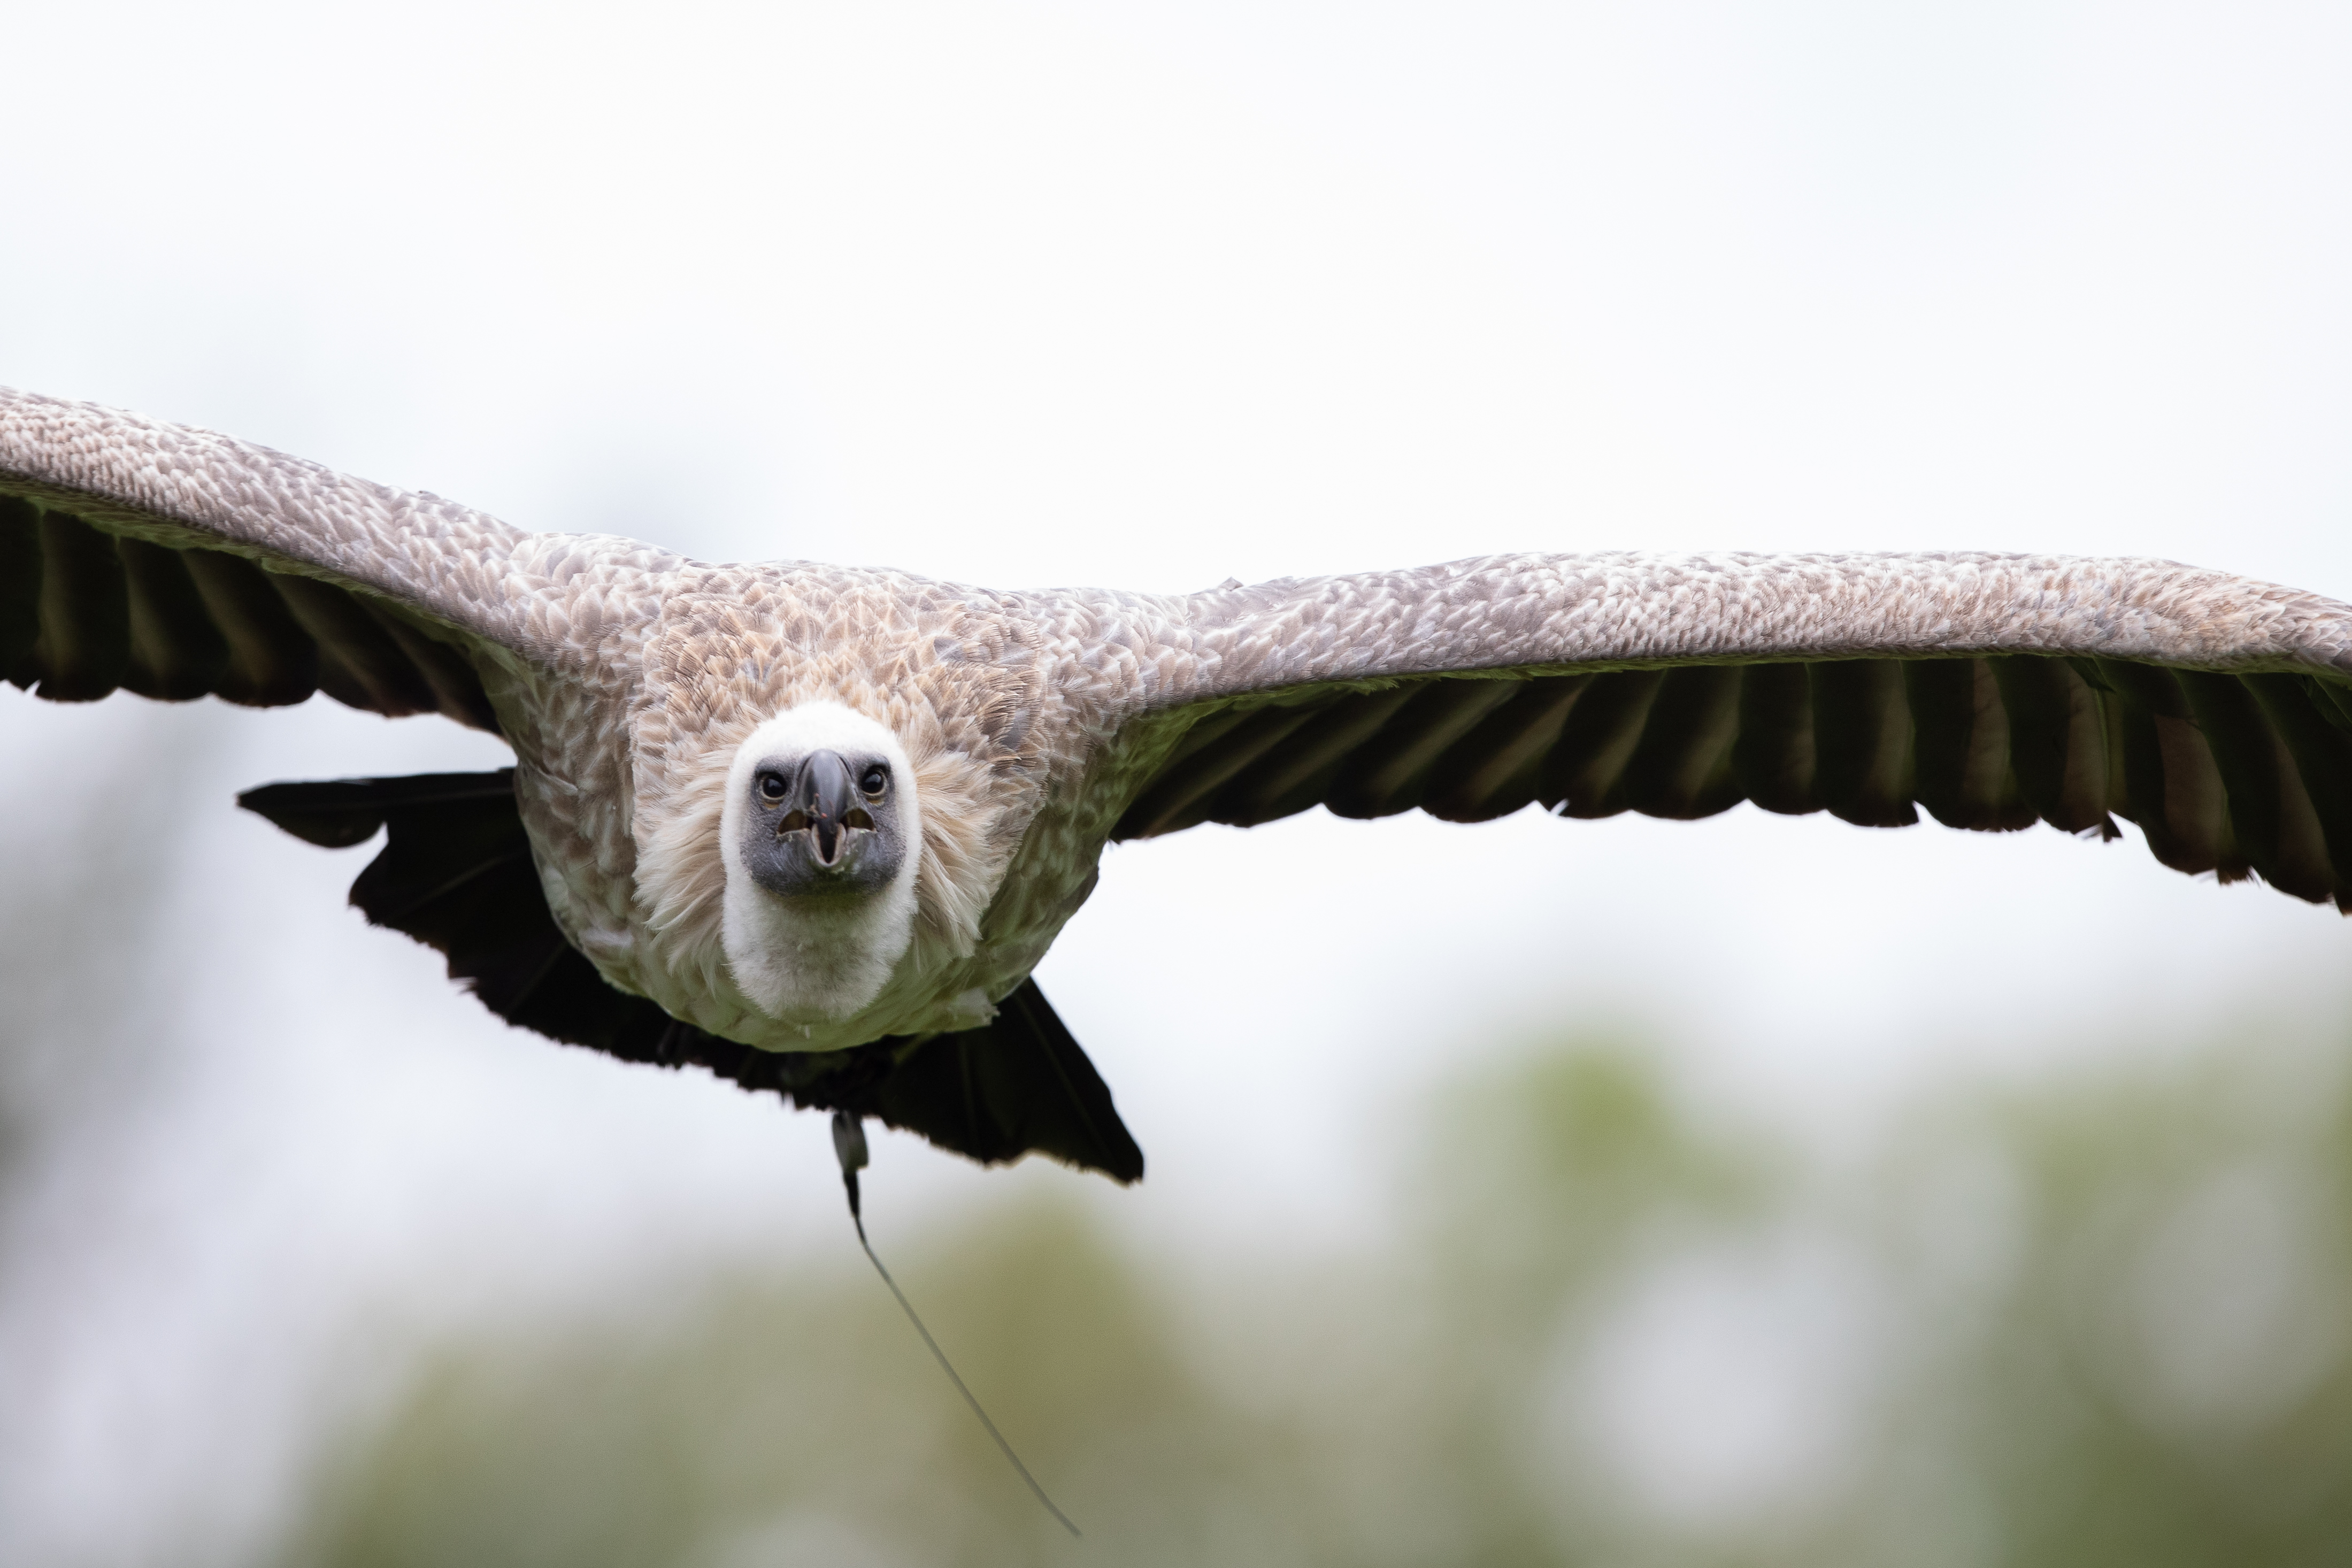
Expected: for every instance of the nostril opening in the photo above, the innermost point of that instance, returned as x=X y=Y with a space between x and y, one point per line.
x=794 y=822
x=856 y=818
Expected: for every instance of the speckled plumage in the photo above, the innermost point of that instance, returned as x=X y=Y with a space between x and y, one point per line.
x=626 y=676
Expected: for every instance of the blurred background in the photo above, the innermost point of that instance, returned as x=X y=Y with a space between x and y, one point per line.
x=1757 y=1190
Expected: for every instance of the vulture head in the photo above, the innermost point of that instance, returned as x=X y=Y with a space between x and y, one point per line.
x=822 y=839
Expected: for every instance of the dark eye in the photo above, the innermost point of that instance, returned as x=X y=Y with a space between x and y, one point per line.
x=875 y=780
x=771 y=787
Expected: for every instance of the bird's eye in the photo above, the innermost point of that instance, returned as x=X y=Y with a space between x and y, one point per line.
x=875 y=780
x=771 y=787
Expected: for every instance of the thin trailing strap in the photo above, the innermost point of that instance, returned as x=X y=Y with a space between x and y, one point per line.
x=849 y=1145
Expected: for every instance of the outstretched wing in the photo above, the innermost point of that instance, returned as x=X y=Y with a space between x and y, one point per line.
x=1992 y=691
x=176 y=562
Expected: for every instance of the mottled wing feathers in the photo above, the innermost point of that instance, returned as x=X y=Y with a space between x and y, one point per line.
x=456 y=873
x=1570 y=612
x=177 y=563
x=2059 y=692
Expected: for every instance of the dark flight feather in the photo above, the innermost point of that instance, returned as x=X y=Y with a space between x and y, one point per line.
x=84 y=612
x=2231 y=774
x=176 y=653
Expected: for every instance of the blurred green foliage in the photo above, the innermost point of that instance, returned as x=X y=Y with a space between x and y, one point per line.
x=2102 y=1321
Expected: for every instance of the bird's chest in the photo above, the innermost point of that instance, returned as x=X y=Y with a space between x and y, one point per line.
x=573 y=792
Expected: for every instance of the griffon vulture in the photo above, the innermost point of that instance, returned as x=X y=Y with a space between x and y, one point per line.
x=813 y=826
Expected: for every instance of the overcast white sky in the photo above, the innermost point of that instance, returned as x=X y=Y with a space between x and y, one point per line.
x=1142 y=295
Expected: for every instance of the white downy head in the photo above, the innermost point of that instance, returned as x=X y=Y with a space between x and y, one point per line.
x=821 y=835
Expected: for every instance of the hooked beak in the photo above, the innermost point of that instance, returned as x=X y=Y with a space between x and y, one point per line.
x=825 y=803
